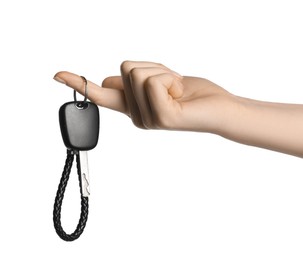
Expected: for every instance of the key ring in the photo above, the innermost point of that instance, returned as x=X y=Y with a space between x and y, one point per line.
x=85 y=91
x=59 y=199
x=79 y=125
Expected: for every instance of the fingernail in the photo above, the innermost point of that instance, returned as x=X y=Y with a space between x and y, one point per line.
x=59 y=79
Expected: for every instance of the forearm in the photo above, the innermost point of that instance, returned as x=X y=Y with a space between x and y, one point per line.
x=273 y=126
x=158 y=98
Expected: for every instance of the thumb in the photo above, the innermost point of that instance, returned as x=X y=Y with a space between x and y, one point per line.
x=163 y=90
x=106 y=97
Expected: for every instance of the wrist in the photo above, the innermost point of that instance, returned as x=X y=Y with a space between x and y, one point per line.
x=228 y=112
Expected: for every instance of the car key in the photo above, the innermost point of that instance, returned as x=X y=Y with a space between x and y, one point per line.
x=79 y=125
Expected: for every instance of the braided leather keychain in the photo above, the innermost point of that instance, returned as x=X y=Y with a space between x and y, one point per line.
x=79 y=124
x=59 y=198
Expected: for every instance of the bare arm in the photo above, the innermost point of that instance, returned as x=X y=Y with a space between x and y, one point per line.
x=155 y=97
x=273 y=126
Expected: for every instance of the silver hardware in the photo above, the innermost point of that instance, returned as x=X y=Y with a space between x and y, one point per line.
x=84 y=173
x=85 y=91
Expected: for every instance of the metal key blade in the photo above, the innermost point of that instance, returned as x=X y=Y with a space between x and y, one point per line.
x=84 y=173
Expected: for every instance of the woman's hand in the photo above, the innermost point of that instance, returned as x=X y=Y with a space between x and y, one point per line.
x=156 y=97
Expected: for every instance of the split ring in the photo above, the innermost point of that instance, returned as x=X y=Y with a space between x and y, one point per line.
x=85 y=91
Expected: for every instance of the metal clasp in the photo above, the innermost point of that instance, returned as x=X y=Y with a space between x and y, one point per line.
x=81 y=104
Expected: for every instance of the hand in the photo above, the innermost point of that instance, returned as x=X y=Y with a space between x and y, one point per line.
x=156 y=97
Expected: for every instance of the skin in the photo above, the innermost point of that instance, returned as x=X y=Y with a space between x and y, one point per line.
x=155 y=97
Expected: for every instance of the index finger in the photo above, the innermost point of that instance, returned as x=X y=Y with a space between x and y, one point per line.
x=105 y=97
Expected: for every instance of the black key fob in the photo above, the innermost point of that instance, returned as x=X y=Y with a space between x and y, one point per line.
x=79 y=124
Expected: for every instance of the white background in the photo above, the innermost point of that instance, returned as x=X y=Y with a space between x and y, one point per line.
x=155 y=194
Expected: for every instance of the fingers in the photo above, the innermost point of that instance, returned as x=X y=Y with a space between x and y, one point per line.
x=145 y=91
x=162 y=91
x=134 y=75
x=126 y=68
x=112 y=98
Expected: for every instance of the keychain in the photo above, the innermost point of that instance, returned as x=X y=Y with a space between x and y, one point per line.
x=79 y=124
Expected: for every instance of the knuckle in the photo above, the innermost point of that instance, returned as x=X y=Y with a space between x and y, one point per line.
x=151 y=81
x=126 y=66
x=136 y=74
